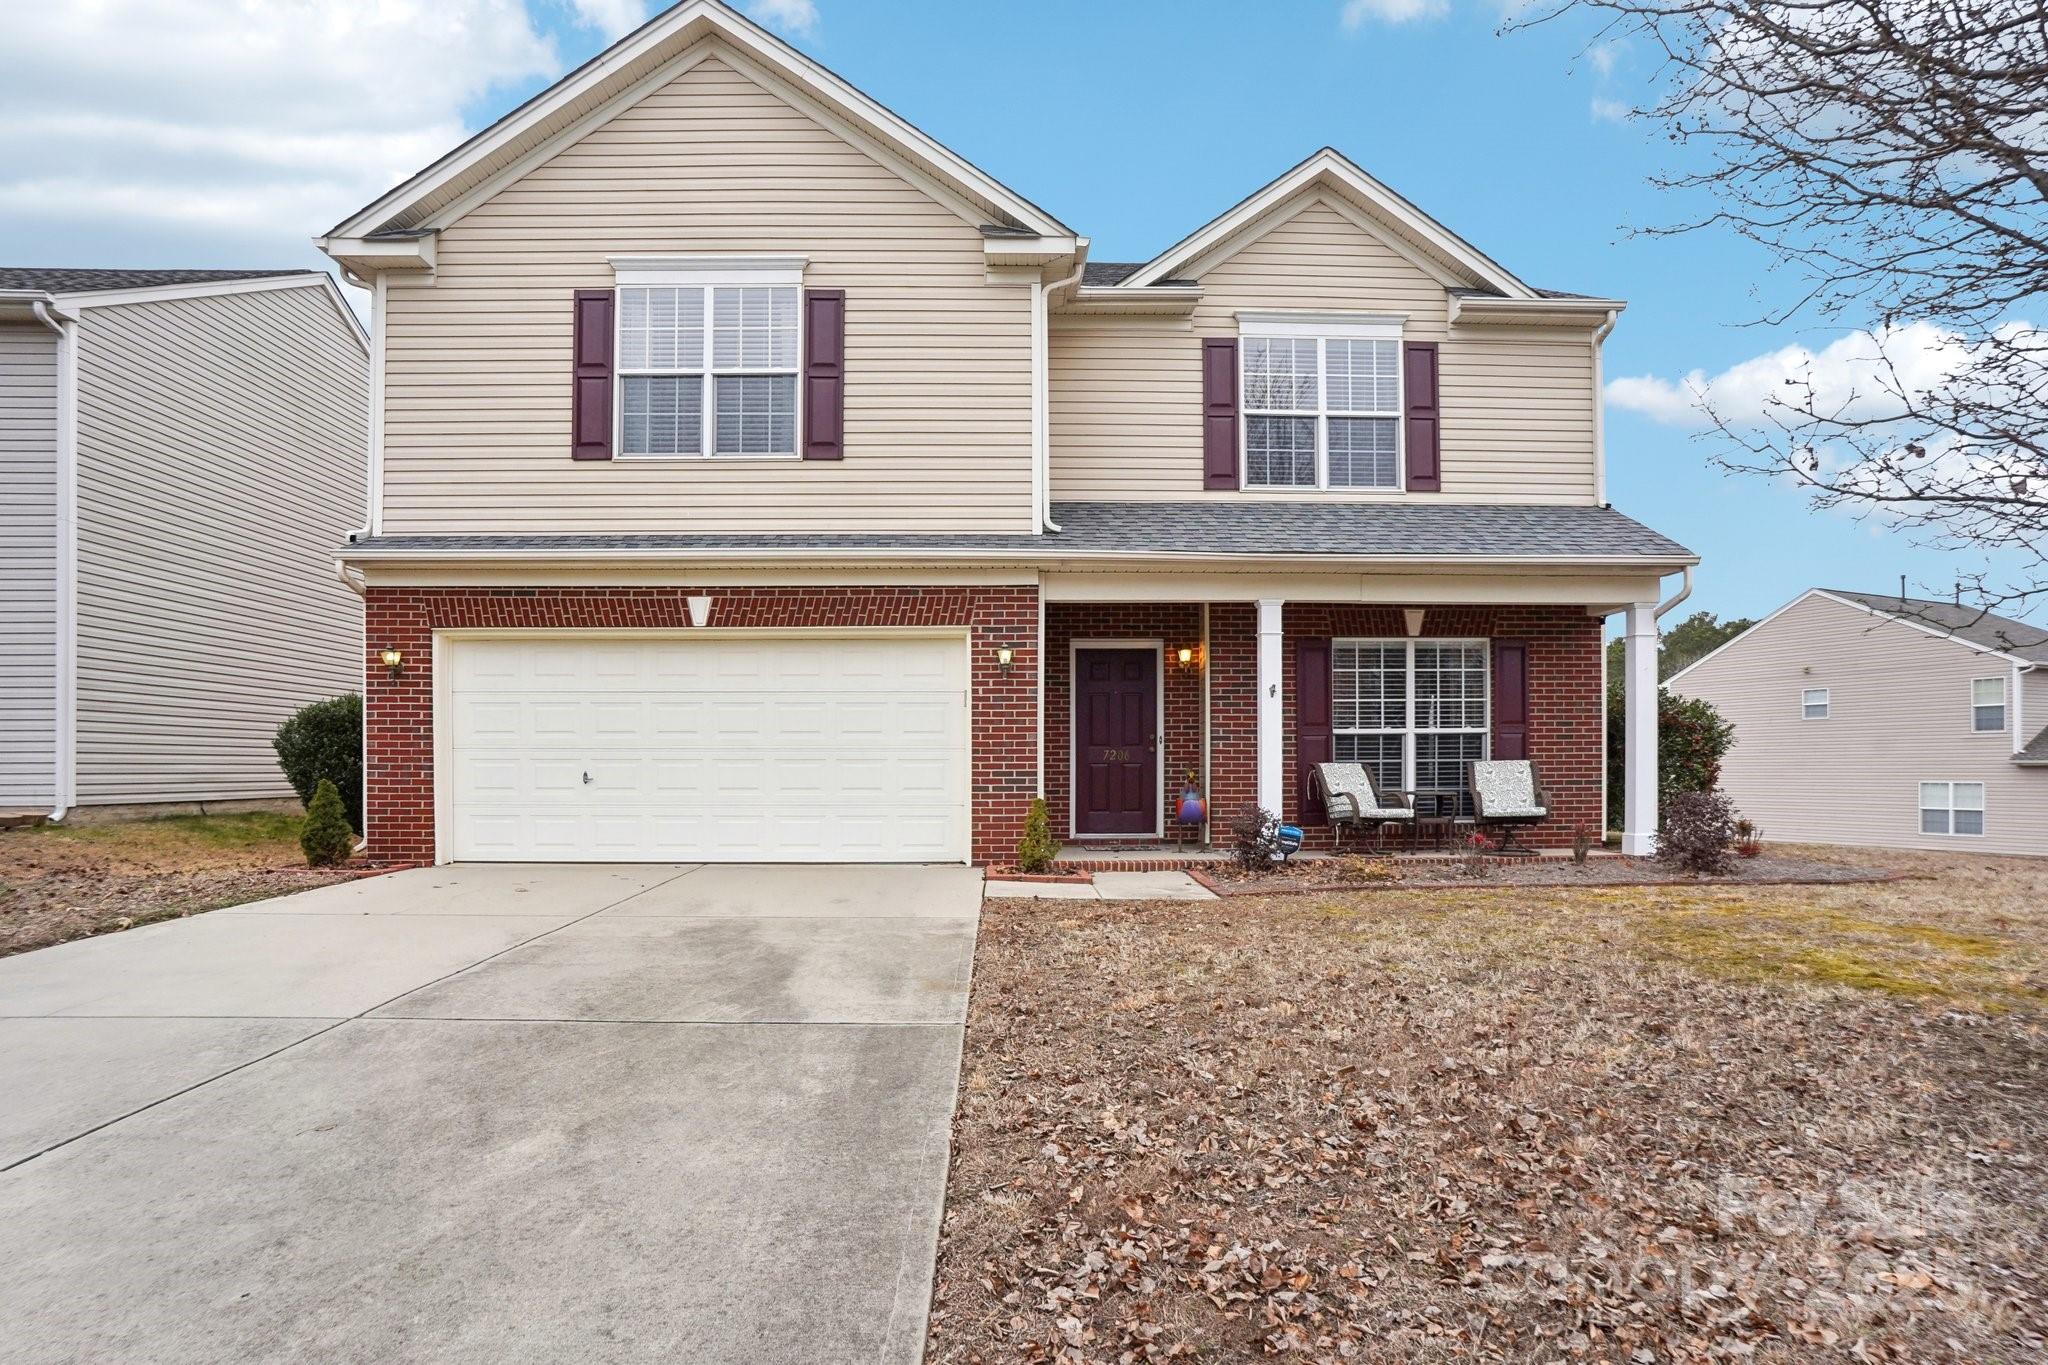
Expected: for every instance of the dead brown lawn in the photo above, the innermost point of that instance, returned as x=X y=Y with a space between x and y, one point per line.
x=1684 y=1124
x=59 y=883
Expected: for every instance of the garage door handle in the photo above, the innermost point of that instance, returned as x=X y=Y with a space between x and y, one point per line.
x=586 y=779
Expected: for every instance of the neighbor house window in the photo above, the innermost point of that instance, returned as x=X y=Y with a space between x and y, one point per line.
x=1951 y=807
x=1813 y=703
x=1987 y=704
x=1322 y=403
x=1414 y=712
x=707 y=362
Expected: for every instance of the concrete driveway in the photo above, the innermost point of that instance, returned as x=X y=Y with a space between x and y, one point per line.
x=490 y=1113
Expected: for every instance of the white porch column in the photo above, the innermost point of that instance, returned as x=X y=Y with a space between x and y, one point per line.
x=1639 y=786
x=1272 y=777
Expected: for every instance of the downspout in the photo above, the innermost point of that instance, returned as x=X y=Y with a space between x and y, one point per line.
x=1684 y=591
x=2019 y=710
x=65 y=775
x=1600 y=411
x=1041 y=386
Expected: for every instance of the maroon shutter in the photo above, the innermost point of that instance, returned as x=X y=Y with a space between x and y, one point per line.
x=1312 y=742
x=590 y=413
x=824 y=374
x=1219 y=413
x=1510 y=699
x=1419 y=408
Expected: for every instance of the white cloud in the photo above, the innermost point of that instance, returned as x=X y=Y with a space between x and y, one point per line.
x=799 y=17
x=1357 y=13
x=265 y=120
x=612 y=18
x=1610 y=111
x=1603 y=56
x=1858 y=375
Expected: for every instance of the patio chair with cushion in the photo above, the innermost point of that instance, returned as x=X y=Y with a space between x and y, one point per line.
x=1506 y=793
x=1353 y=802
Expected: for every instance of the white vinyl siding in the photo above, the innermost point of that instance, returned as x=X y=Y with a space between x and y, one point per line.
x=1898 y=696
x=1987 y=705
x=1813 y=703
x=1951 y=807
x=28 y=565
x=1414 y=712
x=221 y=465
x=938 y=392
x=1518 y=403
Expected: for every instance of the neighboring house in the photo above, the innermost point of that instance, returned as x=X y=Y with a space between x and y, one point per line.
x=1869 y=718
x=179 y=451
x=756 y=479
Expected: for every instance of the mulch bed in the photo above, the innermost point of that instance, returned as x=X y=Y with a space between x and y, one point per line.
x=1359 y=873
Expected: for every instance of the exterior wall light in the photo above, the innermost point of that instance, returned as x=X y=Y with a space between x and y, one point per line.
x=1006 y=657
x=394 y=659
x=1186 y=656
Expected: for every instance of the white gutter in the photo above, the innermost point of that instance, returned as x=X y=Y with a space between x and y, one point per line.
x=1041 y=386
x=1684 y=591
x=1600 y=409
x=2019 y=710
x=65 y=775
x=901 y=554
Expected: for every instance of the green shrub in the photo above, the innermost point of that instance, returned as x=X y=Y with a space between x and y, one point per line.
x=324 y=741
x=1037 y=849
x=1692 y=739
x=326 y=838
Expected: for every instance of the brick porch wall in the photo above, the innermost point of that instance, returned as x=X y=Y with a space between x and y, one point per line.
x=1566 y=716
x=1177 y=624
x=398 y=713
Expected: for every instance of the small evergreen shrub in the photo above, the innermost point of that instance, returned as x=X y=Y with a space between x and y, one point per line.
x=326 y=839
x=324 y=740
x=1699 y=831
x=1037 y=849
x=1255 y=837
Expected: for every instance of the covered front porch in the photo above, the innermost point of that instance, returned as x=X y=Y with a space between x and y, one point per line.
x=1234 y=686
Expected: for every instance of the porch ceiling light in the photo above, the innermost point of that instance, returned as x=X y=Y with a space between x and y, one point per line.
x=394 y=659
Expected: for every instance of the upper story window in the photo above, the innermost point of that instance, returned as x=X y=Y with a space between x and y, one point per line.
x=1322 y=402
x=1813 y=703
x=1987 y=704
x=707 y=359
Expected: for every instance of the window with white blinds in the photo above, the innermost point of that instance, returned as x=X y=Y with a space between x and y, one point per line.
x=1321 y=410
x=1414 y=712
x=708 y=370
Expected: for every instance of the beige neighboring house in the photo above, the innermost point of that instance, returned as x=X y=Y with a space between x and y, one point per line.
x=179 y=451
x=1896 y=722
x=756 y=479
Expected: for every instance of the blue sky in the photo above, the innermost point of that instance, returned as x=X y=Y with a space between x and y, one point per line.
x=228 y=132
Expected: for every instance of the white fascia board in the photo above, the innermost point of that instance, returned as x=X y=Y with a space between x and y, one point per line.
x=1534 y=312
x=1028 y=251
x=913 y=555
x=1332 y=165
x=382 y=253
x=683 y=25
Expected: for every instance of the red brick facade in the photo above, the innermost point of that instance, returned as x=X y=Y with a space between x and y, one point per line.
x=1565 y=724
x=398 y=712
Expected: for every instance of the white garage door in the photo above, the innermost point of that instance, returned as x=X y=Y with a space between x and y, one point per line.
x=706 y=747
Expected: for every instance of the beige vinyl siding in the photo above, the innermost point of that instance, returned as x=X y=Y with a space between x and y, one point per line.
x=938 y=361
x=28 y=565
x=1518 y=403
x=1899 y=715
x=221 y=465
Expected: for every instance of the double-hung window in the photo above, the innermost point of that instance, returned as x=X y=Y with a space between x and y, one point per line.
x=707 y=361
x=1322 y=401
x=1414 y=712
x=1813 y=704
x=1951 y=807
x=1987 y=704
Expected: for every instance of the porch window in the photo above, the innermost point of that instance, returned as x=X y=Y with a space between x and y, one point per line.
x=1987 y=704
x=1951 y=807
x=1322 y=403
x=1414 y=712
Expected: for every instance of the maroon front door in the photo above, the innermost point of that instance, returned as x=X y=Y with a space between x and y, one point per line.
x=1116 y=741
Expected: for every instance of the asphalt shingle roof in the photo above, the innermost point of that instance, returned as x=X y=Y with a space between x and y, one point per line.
x=1109 y=272
x=1194 y=529
x=2036 y=752
x=2002 y=633
x=70 y=281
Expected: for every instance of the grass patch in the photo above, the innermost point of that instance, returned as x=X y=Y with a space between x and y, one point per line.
x=239 y=831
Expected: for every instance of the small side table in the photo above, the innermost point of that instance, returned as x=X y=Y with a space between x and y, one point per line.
x=1435 y=830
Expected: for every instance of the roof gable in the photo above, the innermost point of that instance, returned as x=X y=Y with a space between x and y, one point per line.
x=1435 y=247
x=645 y=60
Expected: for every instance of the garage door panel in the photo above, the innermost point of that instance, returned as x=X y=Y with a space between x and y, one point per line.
x=710 y=748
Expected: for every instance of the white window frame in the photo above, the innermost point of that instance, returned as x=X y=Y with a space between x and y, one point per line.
x=1411 y=730
x=1949 y=809
x=1322 y=328
x=1806 y=703
x=2004 y=705
x=705 y=273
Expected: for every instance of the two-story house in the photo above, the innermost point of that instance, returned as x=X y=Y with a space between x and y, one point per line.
x=755 y=479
